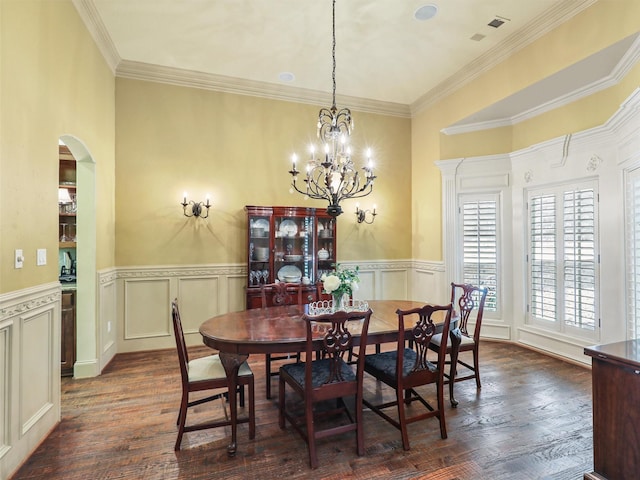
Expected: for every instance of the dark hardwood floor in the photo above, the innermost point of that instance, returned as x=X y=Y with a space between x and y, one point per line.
x=531 y=420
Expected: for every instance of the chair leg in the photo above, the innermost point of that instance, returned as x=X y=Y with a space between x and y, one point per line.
x=182 y=418
x=402 y=419
x=267 y=362
x=281 y=403
x=443 y=426
x=252 y=410
x=359 y=426
x=311 y=436
x=241 y=391
x=476 y=367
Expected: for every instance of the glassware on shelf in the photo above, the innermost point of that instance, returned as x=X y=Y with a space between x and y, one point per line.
x=64 y=237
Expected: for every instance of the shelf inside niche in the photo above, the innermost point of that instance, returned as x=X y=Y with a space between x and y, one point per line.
x=67 y=244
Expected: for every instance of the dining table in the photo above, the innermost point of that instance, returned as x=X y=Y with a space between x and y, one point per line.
x=281 y=329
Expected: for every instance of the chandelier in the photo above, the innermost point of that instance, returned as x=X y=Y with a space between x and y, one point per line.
x=332 y=175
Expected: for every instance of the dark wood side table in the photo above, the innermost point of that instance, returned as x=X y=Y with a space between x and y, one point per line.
x=616 y=410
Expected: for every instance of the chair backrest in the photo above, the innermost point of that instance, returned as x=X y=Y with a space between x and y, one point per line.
x=281 y=293
x=467 y=297
x=183 y=355
x=330 y=334
x=419 y=337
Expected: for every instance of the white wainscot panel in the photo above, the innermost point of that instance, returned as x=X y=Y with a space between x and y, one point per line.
x=198 y=299
x=394 y=284
x=37 y=357
x=554 y=346
x=428 y=287
x=108 y=320
x=147 y=308
x=236 y=299
x=495 y=331
x=366 y=285
x=5 y=404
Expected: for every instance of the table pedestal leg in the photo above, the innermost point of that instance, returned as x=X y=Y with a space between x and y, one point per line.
x=231 y=363
x=456 y=338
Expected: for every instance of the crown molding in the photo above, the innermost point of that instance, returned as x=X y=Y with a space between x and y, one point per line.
x=555 y=16
x=626 y=63
x=89 y=15
x=240 y=86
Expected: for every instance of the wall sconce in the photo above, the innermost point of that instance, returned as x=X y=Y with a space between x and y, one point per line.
x=197 y=209
x=361 y=215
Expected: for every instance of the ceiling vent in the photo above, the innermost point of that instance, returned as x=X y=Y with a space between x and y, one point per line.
x=498 y=21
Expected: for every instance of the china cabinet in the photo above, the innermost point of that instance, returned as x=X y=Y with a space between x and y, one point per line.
x=288 y=244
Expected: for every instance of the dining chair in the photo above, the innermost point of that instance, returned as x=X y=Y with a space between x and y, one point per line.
x=207 y=373
x=408 y=367
x=320 y=382
x=279 y=293
x=466 y=297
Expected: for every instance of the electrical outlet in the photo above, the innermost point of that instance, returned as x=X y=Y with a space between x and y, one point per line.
x=41 y=256
x=19 y=258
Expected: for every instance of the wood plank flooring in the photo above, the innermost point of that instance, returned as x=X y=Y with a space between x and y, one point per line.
x=531 y=420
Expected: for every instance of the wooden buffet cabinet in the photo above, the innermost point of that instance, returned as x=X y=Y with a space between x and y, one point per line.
x=616 y=410
x=289 y=244
x=68 y=333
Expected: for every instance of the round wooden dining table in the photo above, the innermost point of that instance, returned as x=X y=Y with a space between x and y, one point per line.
x=281 y=329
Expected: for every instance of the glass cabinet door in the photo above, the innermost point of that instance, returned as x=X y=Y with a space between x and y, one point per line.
x=259 y=251
x=293 y=249
x=326 y=246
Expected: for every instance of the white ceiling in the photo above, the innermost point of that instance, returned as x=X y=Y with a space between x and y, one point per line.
x=387 y=61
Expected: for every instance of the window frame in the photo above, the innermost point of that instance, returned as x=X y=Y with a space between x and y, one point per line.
x=560 y=323
x=494 y=291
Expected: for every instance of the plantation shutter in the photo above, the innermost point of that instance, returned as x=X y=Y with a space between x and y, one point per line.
x=480 y=247
x=542 y=260
x=579 y=258
x=633 y=252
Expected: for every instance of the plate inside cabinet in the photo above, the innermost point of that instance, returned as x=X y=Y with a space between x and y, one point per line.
x=289 y=273
x=288 y=228
x=261 y=223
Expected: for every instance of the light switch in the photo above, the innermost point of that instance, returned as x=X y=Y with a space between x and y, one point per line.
x=19 y=258
x=41 y=256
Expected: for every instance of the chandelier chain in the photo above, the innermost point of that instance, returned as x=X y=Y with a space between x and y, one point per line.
x=333 y=54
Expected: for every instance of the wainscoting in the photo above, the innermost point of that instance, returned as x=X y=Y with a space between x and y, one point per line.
x=144 y=294
x=29 y=371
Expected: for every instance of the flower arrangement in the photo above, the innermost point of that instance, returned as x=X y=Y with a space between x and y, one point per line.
x=341 y=281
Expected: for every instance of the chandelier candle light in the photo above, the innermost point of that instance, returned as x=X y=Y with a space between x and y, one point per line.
x=334 y=177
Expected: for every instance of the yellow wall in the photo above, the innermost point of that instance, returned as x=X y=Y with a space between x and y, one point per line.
x=171 y=139
x=596 y=28
x=54 y=82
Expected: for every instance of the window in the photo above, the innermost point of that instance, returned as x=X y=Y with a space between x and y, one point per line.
x=479 y=217
x=563 y=259
x=633 y=252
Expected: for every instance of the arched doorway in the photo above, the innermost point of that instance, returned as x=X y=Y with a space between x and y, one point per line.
x=87 y=331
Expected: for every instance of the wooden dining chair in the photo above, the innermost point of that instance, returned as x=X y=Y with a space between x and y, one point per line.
x=272 y=294
x=326 y=379
x=470 y=302
x=408 y=367
x=206 y=373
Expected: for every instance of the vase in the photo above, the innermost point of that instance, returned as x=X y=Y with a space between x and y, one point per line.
x=340 y=301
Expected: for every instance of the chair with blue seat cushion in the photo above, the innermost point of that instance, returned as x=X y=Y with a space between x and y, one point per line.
x=328 y=378
x=206 y=373
x=470 y=301
x=408 y=367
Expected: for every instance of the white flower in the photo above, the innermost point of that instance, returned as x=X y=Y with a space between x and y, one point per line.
x=331 y=283
x=354 y=286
